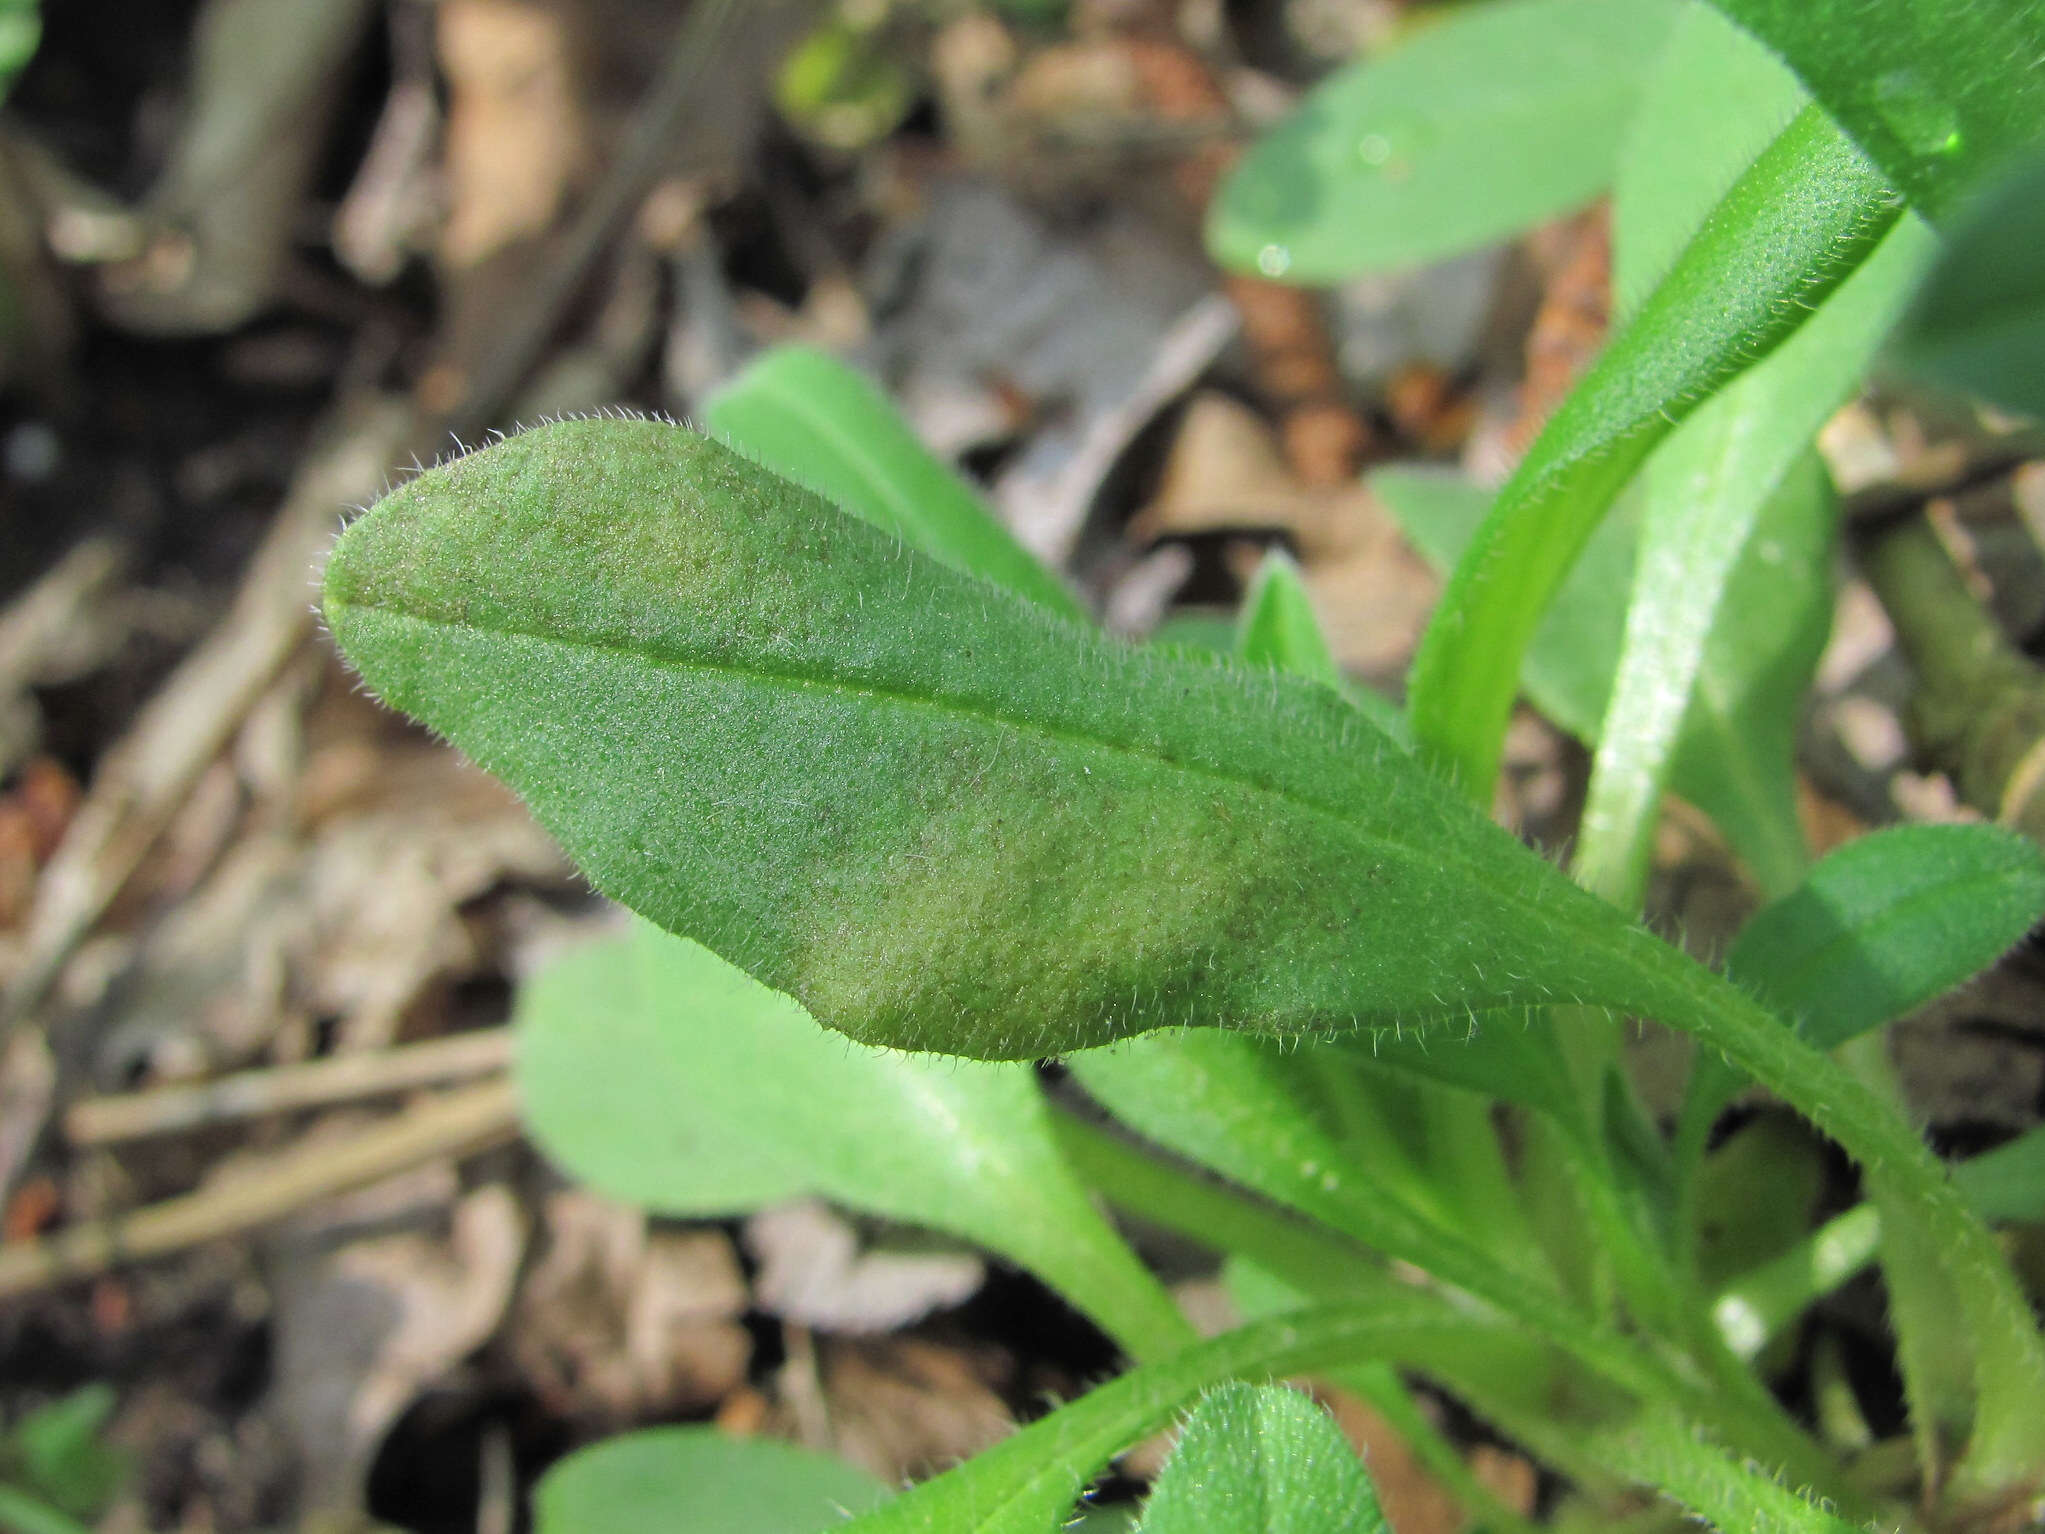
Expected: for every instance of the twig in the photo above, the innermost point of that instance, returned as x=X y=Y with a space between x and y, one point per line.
x=457 y=1124
x=249 y=1094
x=1979 y=706
x=143 y=780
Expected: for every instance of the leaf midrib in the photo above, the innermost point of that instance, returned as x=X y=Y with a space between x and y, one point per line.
x=1440 y=854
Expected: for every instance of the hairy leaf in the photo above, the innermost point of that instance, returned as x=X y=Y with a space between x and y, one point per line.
x=703 y=1479
x=661 y=1076
x=1796 y=224
x=1713 y=101
x=1278 y=627
x=812 y=419
x=1940 y=96
x=1261 y=1459
x=1472 y=130
x=937 y=816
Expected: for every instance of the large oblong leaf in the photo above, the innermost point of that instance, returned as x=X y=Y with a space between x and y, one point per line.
x=812 y=419
x=938 y=817
x=1261 y=1459
x=702 y=1479
x=661 y=1076
x=1796 y=224
x=1478 y=127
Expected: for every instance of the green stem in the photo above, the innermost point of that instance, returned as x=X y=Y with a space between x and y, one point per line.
x=1310 y=1258
x=2008 y=1445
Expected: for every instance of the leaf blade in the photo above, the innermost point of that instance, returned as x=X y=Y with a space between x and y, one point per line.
x=1474 y=129
x=812 y=419
x=676 y=656
x=700 y=1478
x=1261 y=1459
x=662 y=1076
x=1794 y=226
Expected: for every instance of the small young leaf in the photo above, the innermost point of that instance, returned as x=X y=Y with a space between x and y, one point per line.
x=1797 y=223
x=937 y=816
x=1278 y=627
x=1881 y=926
x=1261 y=1459
x=2007 y=1184
x=663 y=1077
x=1938 y=95
x=1979 y=323
x=58 y=1451
x=701 y=1479
x=812 y=419
x=1888 y=922
x=1478 y=127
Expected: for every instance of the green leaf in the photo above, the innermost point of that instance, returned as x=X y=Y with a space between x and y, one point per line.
x=1507 y=1056
x=659 y=1075
x=1658 y=1448
x=22 y=1514
x=1884 y=924
x=2004 y=1185
x=21 y=28
x=1796 y=224
x=937 y=816
x=1979 y=323
x=1261 y=1459
x=814 y=420
x=1939 y=96
x=1888 y=922
x=2007 y=1184
x=1732 y=595
x=1475 y=128
x=1569 y=662
x=700 y=1479
x=1278 y=627
x=1234 y=1106
x=1881 y=926
x=59 y=1452
x=1027 y=1484
x=1713 y=101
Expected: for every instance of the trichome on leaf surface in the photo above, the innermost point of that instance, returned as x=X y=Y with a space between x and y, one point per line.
x=796 y=698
